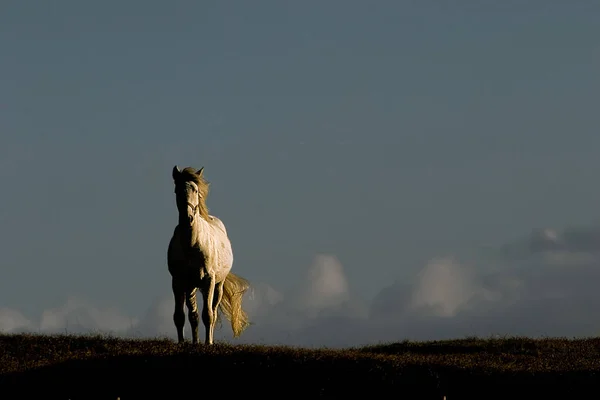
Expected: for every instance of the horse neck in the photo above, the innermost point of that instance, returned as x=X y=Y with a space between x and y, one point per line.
x=192 y=232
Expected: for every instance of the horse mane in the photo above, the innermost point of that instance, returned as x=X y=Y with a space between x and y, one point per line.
x=189 y=174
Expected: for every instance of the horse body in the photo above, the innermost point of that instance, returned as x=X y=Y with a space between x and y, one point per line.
x=211 y=250
x=200 y=256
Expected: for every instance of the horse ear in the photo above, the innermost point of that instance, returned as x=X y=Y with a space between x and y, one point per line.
x=200 y=172
x=176 y=172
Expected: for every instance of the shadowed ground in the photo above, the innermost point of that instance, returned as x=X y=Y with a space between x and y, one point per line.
x=78 y=367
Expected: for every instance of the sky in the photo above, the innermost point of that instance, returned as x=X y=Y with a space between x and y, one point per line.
x=414 y=169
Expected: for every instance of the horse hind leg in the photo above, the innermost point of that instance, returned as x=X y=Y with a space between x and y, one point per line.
x=178 y=314
x=192 y=307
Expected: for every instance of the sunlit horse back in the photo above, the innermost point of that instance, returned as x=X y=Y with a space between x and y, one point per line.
x=200 y=257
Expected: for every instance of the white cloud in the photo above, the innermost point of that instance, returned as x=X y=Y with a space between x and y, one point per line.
x=157 y=321
x=535 y=288
x=444 y=287
x=325 y=286
x=13 y=321
x=260 y=300
x=78 y=316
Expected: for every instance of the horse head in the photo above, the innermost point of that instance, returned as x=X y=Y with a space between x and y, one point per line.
x=190 y=193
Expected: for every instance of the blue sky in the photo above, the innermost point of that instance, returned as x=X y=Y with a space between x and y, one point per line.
x=384 y=134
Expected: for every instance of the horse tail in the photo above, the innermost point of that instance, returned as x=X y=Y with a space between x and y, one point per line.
x=234 y=288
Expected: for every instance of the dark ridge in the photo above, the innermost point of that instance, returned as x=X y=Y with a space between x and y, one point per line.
x=95 y=367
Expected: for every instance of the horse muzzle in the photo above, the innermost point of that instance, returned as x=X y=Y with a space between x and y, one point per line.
x=192 y=210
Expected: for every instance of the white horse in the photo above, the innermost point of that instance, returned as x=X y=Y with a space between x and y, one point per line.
x=200 y=257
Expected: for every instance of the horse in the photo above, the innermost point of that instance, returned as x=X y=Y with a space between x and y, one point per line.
x=200 y=256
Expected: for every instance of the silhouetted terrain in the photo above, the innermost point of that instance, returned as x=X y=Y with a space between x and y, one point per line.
x=84 y=367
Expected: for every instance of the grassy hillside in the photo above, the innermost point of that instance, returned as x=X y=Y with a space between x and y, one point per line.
x=78 y=367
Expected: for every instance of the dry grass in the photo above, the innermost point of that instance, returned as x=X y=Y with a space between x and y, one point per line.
x=104 y=367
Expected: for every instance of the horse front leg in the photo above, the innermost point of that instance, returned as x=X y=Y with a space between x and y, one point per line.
x=218 y=296
x=208 y=315
x=192 y=307
x=178 y=314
